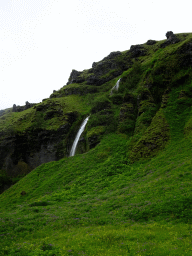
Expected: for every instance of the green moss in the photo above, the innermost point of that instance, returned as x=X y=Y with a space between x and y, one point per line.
x=127 y=117
x=95 y=131
x=154 y=138
x=131 y=77
x=100 y=103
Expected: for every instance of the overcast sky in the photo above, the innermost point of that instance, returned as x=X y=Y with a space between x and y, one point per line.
x=41 y=41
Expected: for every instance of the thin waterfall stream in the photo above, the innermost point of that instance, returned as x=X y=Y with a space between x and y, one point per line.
x=81 y=129
x=116 y=87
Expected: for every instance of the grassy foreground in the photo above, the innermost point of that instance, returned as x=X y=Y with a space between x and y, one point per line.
x=85 y=206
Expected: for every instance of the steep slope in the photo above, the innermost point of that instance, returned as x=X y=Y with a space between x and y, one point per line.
x=39 y=133
x=135 y=166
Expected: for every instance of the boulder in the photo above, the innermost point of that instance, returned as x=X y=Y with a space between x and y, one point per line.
x=22 y=108
x=151 y=42
x=169 y=35
x=137 y=51
x=171 y=39
x=14 y=108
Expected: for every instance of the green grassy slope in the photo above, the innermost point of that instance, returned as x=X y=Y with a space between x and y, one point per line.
x=132 y=193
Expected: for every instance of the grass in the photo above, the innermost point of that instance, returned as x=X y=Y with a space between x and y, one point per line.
x=105 y=207
x=128 y=239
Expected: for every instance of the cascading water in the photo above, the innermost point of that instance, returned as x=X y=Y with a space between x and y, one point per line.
x=116 y=87
x=82 y=127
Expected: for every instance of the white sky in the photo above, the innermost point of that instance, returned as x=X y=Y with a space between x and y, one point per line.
x=41 y=41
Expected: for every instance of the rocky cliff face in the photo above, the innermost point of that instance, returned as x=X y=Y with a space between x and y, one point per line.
x=34 y=136
x=38 y=133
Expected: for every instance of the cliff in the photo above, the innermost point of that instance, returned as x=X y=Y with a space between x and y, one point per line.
x=150 y=73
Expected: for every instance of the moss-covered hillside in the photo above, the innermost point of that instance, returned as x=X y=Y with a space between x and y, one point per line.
x=133 y=160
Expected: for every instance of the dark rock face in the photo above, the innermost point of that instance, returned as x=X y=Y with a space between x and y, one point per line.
x=137 y=51
x=171 y=39
x=112 y=55
x=169 y=35
x=151 y=42
x=75 y=77
x=94 y=80
x=21 y=153
x=14 y=108
x=185 y=55
x=2 y=112
x=22 y=108
x=93 y=141
x=98 y=80
x=101 y=72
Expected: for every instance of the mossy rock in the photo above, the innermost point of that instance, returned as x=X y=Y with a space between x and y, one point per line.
x=96 y=131
x=127 y=118
x=22 y=168
x=100 y=103
x=94 y=136
x=117 y=99
x=154 y=138
x=145 y=105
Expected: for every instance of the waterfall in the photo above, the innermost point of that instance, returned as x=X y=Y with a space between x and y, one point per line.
x=116 y=87
x=81 y=129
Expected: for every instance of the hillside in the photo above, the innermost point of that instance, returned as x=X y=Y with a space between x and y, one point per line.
x=127 y=191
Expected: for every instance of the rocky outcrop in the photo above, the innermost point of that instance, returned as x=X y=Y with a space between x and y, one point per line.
x=151 y=42
x=2 y=112
x=137 y=51
x=22 y=108
x=22 y=152
x=102 y=71
x=75 y=77
x=185 y=54
x=171 y=39
x=19 y=154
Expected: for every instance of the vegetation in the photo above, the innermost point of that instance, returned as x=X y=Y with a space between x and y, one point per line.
x=131 y=194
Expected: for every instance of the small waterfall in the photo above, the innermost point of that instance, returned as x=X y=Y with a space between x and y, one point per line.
x=116 y=87
x=82 y=127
